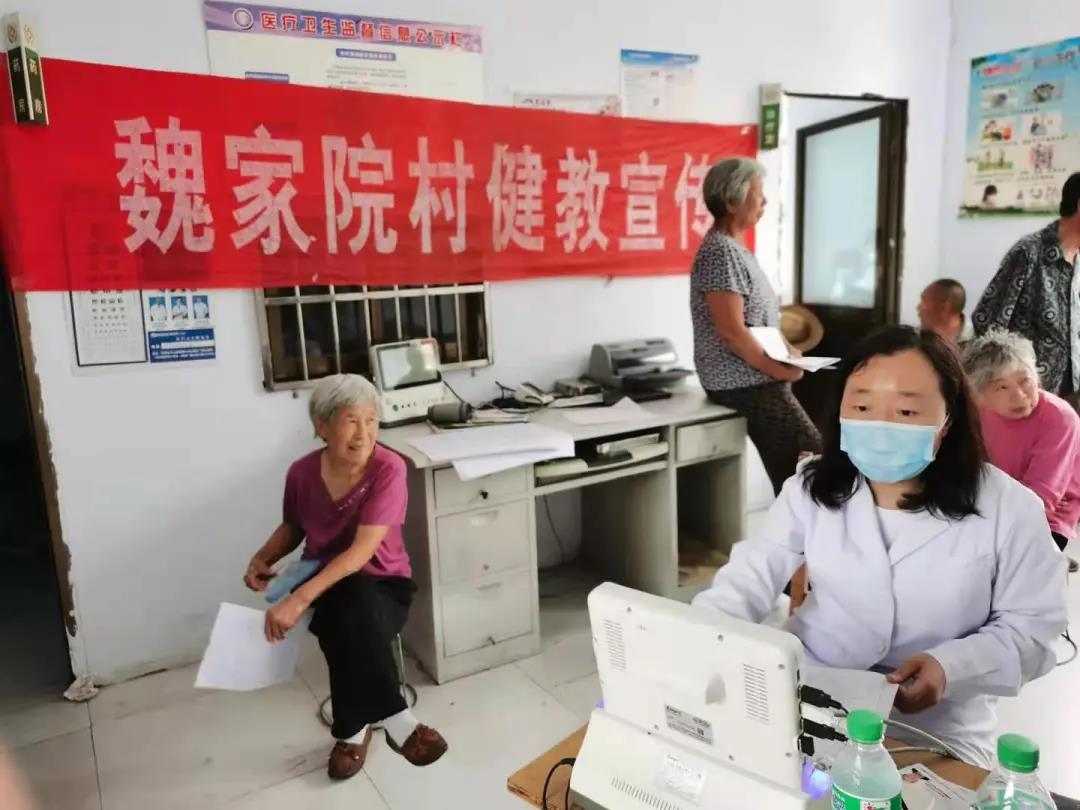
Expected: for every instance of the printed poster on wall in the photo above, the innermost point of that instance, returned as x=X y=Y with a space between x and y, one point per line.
x=597 y=104
x=179 y=325
x=108 y=327
x=1023 y=133
x=659 y=85
x=345 y=51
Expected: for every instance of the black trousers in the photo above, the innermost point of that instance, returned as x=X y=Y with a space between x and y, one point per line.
x=1060 y=539
x=355 y=621
x=777 y=425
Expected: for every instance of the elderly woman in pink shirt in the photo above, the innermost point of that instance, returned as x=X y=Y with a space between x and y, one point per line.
x=1031 y=434
x=346 y=502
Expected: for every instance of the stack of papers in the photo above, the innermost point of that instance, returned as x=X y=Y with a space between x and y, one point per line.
x=481 y=451
x=772 y=341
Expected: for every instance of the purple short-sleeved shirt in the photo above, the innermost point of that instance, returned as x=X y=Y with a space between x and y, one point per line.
x=378 y=499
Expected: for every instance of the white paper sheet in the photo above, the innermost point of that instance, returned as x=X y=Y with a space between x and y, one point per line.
x=772 y=341
x=625 y=410
x=489 y=441
x=240 y=658
x=855 y=689
x=471 y=468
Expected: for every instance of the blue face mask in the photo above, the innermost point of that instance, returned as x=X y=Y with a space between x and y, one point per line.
x=888 y=452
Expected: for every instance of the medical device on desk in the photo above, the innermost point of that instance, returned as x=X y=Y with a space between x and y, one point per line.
x=644 y=369
x=699 y=710
x=408 y=379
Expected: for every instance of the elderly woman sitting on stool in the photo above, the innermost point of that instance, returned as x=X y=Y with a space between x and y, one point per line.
x=1031 y=434
x=348 y=502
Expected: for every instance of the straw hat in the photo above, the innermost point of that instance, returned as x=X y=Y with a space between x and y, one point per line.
x=801 y=327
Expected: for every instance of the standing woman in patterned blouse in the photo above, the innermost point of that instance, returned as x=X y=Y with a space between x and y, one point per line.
x=728 y=294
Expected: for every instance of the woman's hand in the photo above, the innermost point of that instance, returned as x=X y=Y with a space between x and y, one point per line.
x=283 y=616
x=258 y=574
x=782 y=372
x=922 y=683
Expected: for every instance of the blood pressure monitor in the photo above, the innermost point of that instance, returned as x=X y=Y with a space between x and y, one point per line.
x=409 y=381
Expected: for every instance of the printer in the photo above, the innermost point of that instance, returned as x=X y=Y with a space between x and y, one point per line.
x=643 y=369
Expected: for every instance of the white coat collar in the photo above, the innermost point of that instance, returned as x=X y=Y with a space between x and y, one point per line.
x=920 y=532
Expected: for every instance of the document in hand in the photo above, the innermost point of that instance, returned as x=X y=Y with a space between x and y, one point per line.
x=239 y=657
x=772 y=342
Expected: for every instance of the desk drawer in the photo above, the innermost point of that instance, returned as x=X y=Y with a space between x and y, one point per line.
x=451 y=491
x=476 y=616
x=721 y=438
x=486 y=541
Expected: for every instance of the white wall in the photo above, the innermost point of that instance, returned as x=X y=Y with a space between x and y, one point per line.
x=972 y=249
x=170 y=478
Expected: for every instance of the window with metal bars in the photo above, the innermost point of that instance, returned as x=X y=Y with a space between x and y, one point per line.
x=311 y=332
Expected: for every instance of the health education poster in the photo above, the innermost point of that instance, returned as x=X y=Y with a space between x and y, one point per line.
x=570 y=102
x=179 y=325
x=659 y=85
x=1023 y=133
x=345 y=51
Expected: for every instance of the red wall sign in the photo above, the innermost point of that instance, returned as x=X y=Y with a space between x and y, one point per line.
x=146 y=179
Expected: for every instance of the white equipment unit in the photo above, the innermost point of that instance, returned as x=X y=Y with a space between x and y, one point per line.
x=700 y=710
x=409 y=381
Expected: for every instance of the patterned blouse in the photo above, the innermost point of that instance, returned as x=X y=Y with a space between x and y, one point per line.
x=1036 y=293
x=723 y=264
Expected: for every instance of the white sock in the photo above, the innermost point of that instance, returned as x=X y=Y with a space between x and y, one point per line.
x=400 y=726
x=358 y=738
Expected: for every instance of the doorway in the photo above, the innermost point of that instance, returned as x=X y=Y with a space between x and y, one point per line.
x=32 y=636
x=849 y=210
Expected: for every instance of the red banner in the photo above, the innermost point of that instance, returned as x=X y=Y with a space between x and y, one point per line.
x=146 y=179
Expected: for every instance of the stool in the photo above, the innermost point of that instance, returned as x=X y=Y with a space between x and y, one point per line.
x=408 y=691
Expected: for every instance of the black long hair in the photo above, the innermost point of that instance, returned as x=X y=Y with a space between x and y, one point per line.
x=950 y=485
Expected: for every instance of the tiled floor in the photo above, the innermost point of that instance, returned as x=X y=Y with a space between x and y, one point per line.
x=157 y=743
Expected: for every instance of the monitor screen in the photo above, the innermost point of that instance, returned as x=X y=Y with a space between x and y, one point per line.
x=406 y=364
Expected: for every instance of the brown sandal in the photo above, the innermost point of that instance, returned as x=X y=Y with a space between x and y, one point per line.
x=424 y=746
x=346 y=759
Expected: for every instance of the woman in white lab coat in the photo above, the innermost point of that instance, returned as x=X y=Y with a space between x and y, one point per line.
x=927 y=563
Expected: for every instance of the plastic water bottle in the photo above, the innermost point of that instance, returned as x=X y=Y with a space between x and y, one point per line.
x=1014 y=784
x=864 y=776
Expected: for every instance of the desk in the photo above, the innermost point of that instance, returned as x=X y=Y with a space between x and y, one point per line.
x=528 y=783
x=473 y=543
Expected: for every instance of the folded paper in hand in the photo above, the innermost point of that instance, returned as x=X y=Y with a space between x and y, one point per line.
x=772 y=341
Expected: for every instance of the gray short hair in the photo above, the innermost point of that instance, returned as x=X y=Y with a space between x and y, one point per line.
x=998 y=353
x=728 y=182
x=339 y=391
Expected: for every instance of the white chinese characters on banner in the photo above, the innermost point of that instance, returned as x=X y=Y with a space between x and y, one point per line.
x=428 y=203
x=643 y=181
x=689 y=190
x=263 y=213
x=515 y=190
x=582 y=188
x=359 y=194
x=173 y=163
x=341 y=161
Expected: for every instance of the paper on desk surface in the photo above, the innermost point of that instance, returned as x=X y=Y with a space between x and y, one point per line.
x=240 y=658
x=772 y=341
x=489 y=441
x=855 y=689
x=925 y=790
x=625 y=410
x=479 y=466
